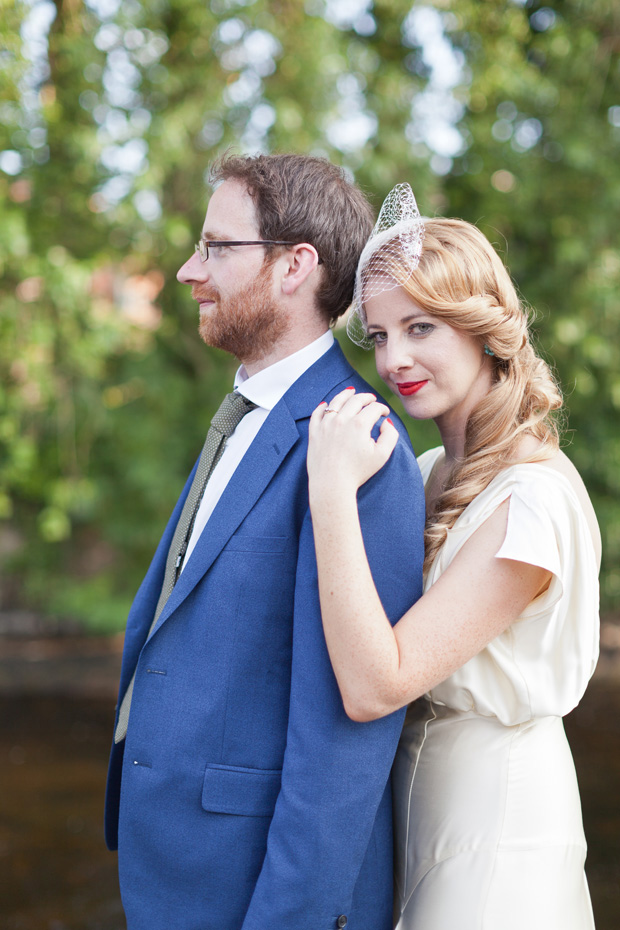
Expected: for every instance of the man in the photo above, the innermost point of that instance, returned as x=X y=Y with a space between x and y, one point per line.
x=240 y=795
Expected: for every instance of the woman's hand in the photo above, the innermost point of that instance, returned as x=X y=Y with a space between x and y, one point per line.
x=342 y=454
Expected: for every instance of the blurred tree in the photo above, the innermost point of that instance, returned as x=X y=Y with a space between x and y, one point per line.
x=505 y=113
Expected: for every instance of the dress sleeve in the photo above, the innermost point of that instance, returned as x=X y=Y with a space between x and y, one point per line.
x=541 y=664
x=535 y=534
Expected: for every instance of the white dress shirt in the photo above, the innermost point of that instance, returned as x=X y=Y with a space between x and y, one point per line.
x=265 y=389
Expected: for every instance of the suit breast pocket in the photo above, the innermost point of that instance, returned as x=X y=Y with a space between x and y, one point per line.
x=247 y=792
x=263 y=569
x=243 y=542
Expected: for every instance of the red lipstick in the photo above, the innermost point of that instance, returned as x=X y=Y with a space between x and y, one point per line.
x=410 y=387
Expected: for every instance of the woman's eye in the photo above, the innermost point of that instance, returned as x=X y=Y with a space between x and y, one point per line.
x=377 y=338
x=421 y=329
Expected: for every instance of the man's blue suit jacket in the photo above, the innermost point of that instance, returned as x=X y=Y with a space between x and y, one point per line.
x=249 y=800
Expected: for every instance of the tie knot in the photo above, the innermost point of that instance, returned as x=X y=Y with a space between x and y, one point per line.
x=231 y=411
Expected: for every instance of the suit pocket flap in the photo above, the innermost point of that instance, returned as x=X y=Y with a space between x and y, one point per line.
x=233 y=790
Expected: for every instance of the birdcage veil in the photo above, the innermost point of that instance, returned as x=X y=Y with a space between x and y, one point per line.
x=389 y=258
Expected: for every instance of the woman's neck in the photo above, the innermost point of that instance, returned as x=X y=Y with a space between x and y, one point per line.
x=452 y=439
x=452 y=423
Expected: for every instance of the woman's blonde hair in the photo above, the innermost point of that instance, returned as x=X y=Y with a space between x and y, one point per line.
x=461 y=279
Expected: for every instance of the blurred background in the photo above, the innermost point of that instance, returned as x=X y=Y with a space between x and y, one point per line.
x=503 y=112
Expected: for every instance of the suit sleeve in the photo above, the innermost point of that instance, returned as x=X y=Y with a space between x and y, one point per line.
x=336 y=771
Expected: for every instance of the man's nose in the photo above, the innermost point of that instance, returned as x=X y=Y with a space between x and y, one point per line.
x=193 y=270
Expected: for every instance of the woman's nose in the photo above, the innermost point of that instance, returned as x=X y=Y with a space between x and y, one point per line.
x=399 y=356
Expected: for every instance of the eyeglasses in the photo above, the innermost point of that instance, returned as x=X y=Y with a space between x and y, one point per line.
x=203 y=245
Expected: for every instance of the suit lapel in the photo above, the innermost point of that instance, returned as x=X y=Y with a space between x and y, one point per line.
x=277 y=436
x=256 y=469
x=318 y=383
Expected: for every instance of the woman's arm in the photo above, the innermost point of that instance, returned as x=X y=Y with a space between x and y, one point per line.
x=380 y=668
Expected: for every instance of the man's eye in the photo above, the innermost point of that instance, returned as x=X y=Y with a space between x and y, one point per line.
x=217 y=250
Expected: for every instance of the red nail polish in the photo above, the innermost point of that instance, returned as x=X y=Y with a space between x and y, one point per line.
x=350 y=388
x=389 y=421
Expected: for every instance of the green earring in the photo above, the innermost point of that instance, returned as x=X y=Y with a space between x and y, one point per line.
x=488 y=351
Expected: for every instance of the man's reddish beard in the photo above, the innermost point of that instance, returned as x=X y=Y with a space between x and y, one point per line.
x=248 y=323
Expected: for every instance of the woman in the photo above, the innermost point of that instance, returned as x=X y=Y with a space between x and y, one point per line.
x=503 y=642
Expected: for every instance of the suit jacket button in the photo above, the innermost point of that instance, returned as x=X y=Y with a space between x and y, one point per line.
x=341 y=922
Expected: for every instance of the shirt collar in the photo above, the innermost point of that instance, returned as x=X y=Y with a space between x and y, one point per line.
x=269 y=386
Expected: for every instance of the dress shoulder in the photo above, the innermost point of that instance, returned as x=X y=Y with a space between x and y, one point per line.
x=546 y=525
x=541 y=664
x=427 y=460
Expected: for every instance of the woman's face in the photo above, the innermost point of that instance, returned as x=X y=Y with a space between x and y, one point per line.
x=439 y=372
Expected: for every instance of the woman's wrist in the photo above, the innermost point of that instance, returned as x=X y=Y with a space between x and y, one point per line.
x=332 y=496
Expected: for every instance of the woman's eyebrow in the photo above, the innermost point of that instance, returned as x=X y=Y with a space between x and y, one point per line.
x=405 y=319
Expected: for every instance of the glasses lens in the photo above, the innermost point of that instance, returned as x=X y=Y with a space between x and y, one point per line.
x=203 y=249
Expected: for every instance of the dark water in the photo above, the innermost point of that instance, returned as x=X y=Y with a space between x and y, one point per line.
x=55 y=873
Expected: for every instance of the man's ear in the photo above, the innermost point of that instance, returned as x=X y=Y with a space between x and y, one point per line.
x=302 y=259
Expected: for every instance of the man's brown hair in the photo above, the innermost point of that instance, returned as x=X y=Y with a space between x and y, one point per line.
x=301 y=198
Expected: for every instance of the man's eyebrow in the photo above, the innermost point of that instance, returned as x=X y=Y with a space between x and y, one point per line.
x=214 y=236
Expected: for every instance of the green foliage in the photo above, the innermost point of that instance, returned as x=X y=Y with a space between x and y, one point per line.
x=108 y=121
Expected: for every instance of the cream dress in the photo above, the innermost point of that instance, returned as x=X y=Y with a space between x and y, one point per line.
x=488 y=829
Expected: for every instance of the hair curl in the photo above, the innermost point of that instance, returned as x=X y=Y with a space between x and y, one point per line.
x=461 y=279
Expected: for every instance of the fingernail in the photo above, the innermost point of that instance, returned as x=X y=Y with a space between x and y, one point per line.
x=323 y=403
x=389 y=421
x=350 y=388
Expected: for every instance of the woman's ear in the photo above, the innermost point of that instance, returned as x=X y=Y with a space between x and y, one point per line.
x=302 y=259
